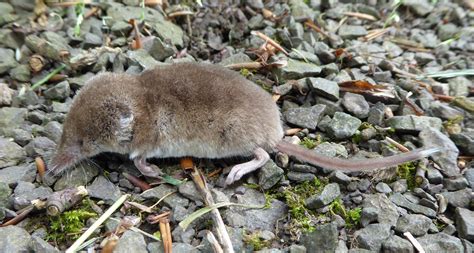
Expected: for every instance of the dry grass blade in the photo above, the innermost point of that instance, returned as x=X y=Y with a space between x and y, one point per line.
x=375 y=34
x=96 y=224
x=47 y=77
x=360 y=15
x=361 y=85
x=413 y=241
x=293 y=131
x=180 y=13
x=413 y=106
x=200 y=182
x=313 y=26
x=67 y=4
x=397 y=144
x=214 y=243
x=137 y=42
x=142 y=207
x=270 y=41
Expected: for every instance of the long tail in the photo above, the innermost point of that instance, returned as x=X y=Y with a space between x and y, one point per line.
x=352 y=165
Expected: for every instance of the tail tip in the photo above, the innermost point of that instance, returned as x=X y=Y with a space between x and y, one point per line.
x=430 y=151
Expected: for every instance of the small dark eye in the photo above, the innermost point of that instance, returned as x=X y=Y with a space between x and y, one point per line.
x=81 y=142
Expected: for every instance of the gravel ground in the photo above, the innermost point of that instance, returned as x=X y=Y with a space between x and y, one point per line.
x=353 y=80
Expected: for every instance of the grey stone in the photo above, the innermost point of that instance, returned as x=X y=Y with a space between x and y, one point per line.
x=447 y=31
x=294 y=248
x=351 y=31
x=300 y=177
x=14 y=239
x=302 y=55
x=469 y=175
x=235 y=59
x=118 y=12
x=454 y=184
x=400 y=200
x=25 y=172
x=10 y=153
x=25 y=192
x=465 y=223
x=121 y=28
x=81 y=174
x=339 y=177
x=131 y=242
x=306 y=117
x=158 y=49
x=39 y=245
x=441 y=242
x=444 y=111
x=5 y=193
x=383 y=188
x=53 y=130
x=103 y=189
x=447 y=158
x=5 y=94
x=11 y=118
x=343 y=125
x=411 y=123
x=188 y=189
x=328 y=195
x=356 y=105
x=40 y=146
x=269 y=175
x=160 y=191
x=78 y=82
x=252 y=219
x=183 y=236
x=423 y=58
x=142 y=58
x=325 y=88
x=377 y=114
x=6 y=8
x=420 y=7
x=323 y=239
x=59 y=91
x=168 y=31
x=434 y=176
x=465 y=141
x=91 y=40
x=459 y=86
x=459 y=198
x=372 y=236
x=416 y=224
x=400 y=185
x=450 y=229
x=297 y=70
x=7 y=61
x=396 y=244
x=385 y=211
x=21 y=73
x=61 y=107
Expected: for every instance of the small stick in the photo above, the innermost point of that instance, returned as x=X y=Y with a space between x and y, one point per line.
x=245 y=65
x=214 y=243
x=166 y=234
x=398 y=145
x=313 y=26
x=413 y=241
x=270 y=41
x=201 y=185
x=293 y=131
x=136 y=181
x=420 y=174
x=360 y=15
x=21 y=215
x=96 y=224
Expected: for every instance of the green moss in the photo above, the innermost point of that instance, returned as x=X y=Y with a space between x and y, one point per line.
x=295 y=196
x=357 y=137
x=255 y=241
x=407 y=171
x=308 y=143
x=351 y=216
x=68 y=226
x=245 y=72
